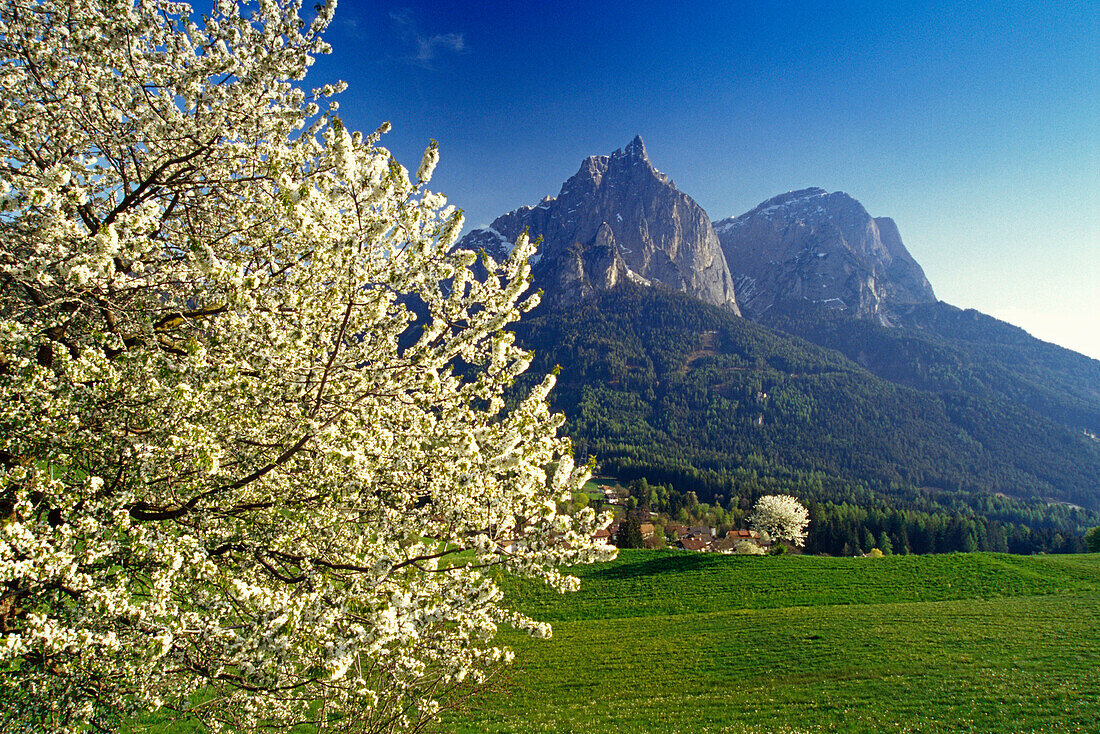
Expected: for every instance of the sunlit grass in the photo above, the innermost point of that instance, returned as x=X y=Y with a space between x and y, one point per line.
x=666 y=642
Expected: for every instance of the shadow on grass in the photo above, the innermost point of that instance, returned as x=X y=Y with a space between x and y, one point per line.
x=672 y=563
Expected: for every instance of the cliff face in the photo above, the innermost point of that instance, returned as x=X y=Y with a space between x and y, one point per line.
x=618 y=218
x=822 y=247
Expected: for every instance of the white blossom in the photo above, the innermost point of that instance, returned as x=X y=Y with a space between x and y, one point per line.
x=253 y=442
x=428 y=164
x=780 y=516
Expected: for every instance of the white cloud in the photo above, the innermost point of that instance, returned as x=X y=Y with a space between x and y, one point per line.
x=427 y=48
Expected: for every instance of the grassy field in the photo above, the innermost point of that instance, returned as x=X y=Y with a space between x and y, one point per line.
x=665 y=641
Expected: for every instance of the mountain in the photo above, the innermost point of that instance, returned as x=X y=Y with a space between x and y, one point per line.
x=654 y=378
x=848 y=383
x=823 y=248
x=817 y=265
x=618 y=219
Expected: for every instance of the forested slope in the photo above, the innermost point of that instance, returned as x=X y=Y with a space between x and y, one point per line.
x=650 y=377
x=941 y=348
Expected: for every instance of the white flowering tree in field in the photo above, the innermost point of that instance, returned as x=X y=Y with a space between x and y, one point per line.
x=238 y=476
x=781 y=516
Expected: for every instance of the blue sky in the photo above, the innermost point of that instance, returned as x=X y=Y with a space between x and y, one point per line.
x=975 y=125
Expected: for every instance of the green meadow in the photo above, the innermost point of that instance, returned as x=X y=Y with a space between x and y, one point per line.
x=667 y=641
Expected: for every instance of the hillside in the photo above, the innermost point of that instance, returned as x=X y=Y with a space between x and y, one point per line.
x=654 y=378
x=681 y=642
x=943 y=348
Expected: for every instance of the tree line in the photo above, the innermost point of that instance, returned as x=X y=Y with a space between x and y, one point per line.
x=893 y=519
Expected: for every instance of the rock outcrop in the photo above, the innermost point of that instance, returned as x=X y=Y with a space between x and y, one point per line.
x=618 y=218
x=822 y=247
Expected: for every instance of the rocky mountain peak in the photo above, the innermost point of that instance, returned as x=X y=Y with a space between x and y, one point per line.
x=792 y=198
x=626 y=166
x=635 y=149
x=619 y=210
x=592 y=168
x=823 y=247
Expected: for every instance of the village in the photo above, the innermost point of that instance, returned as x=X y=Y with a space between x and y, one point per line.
x=638 y=527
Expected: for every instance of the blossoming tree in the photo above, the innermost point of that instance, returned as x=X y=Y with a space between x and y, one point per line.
x=238 y=474
x=781 y=516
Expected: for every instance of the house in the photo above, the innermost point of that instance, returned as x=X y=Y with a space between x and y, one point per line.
x=676 y=529
x=693 y=544
x=750 y=535
x=743 y=535
x=704 y=537
x=647 y=529
x=511 y=545
x=726 y=544
x=603 y=535
x=612 y=495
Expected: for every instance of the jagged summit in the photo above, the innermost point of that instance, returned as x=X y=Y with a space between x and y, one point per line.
x=822 y=247
x=630 y=163
x=634 y=149
x=618 y=218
